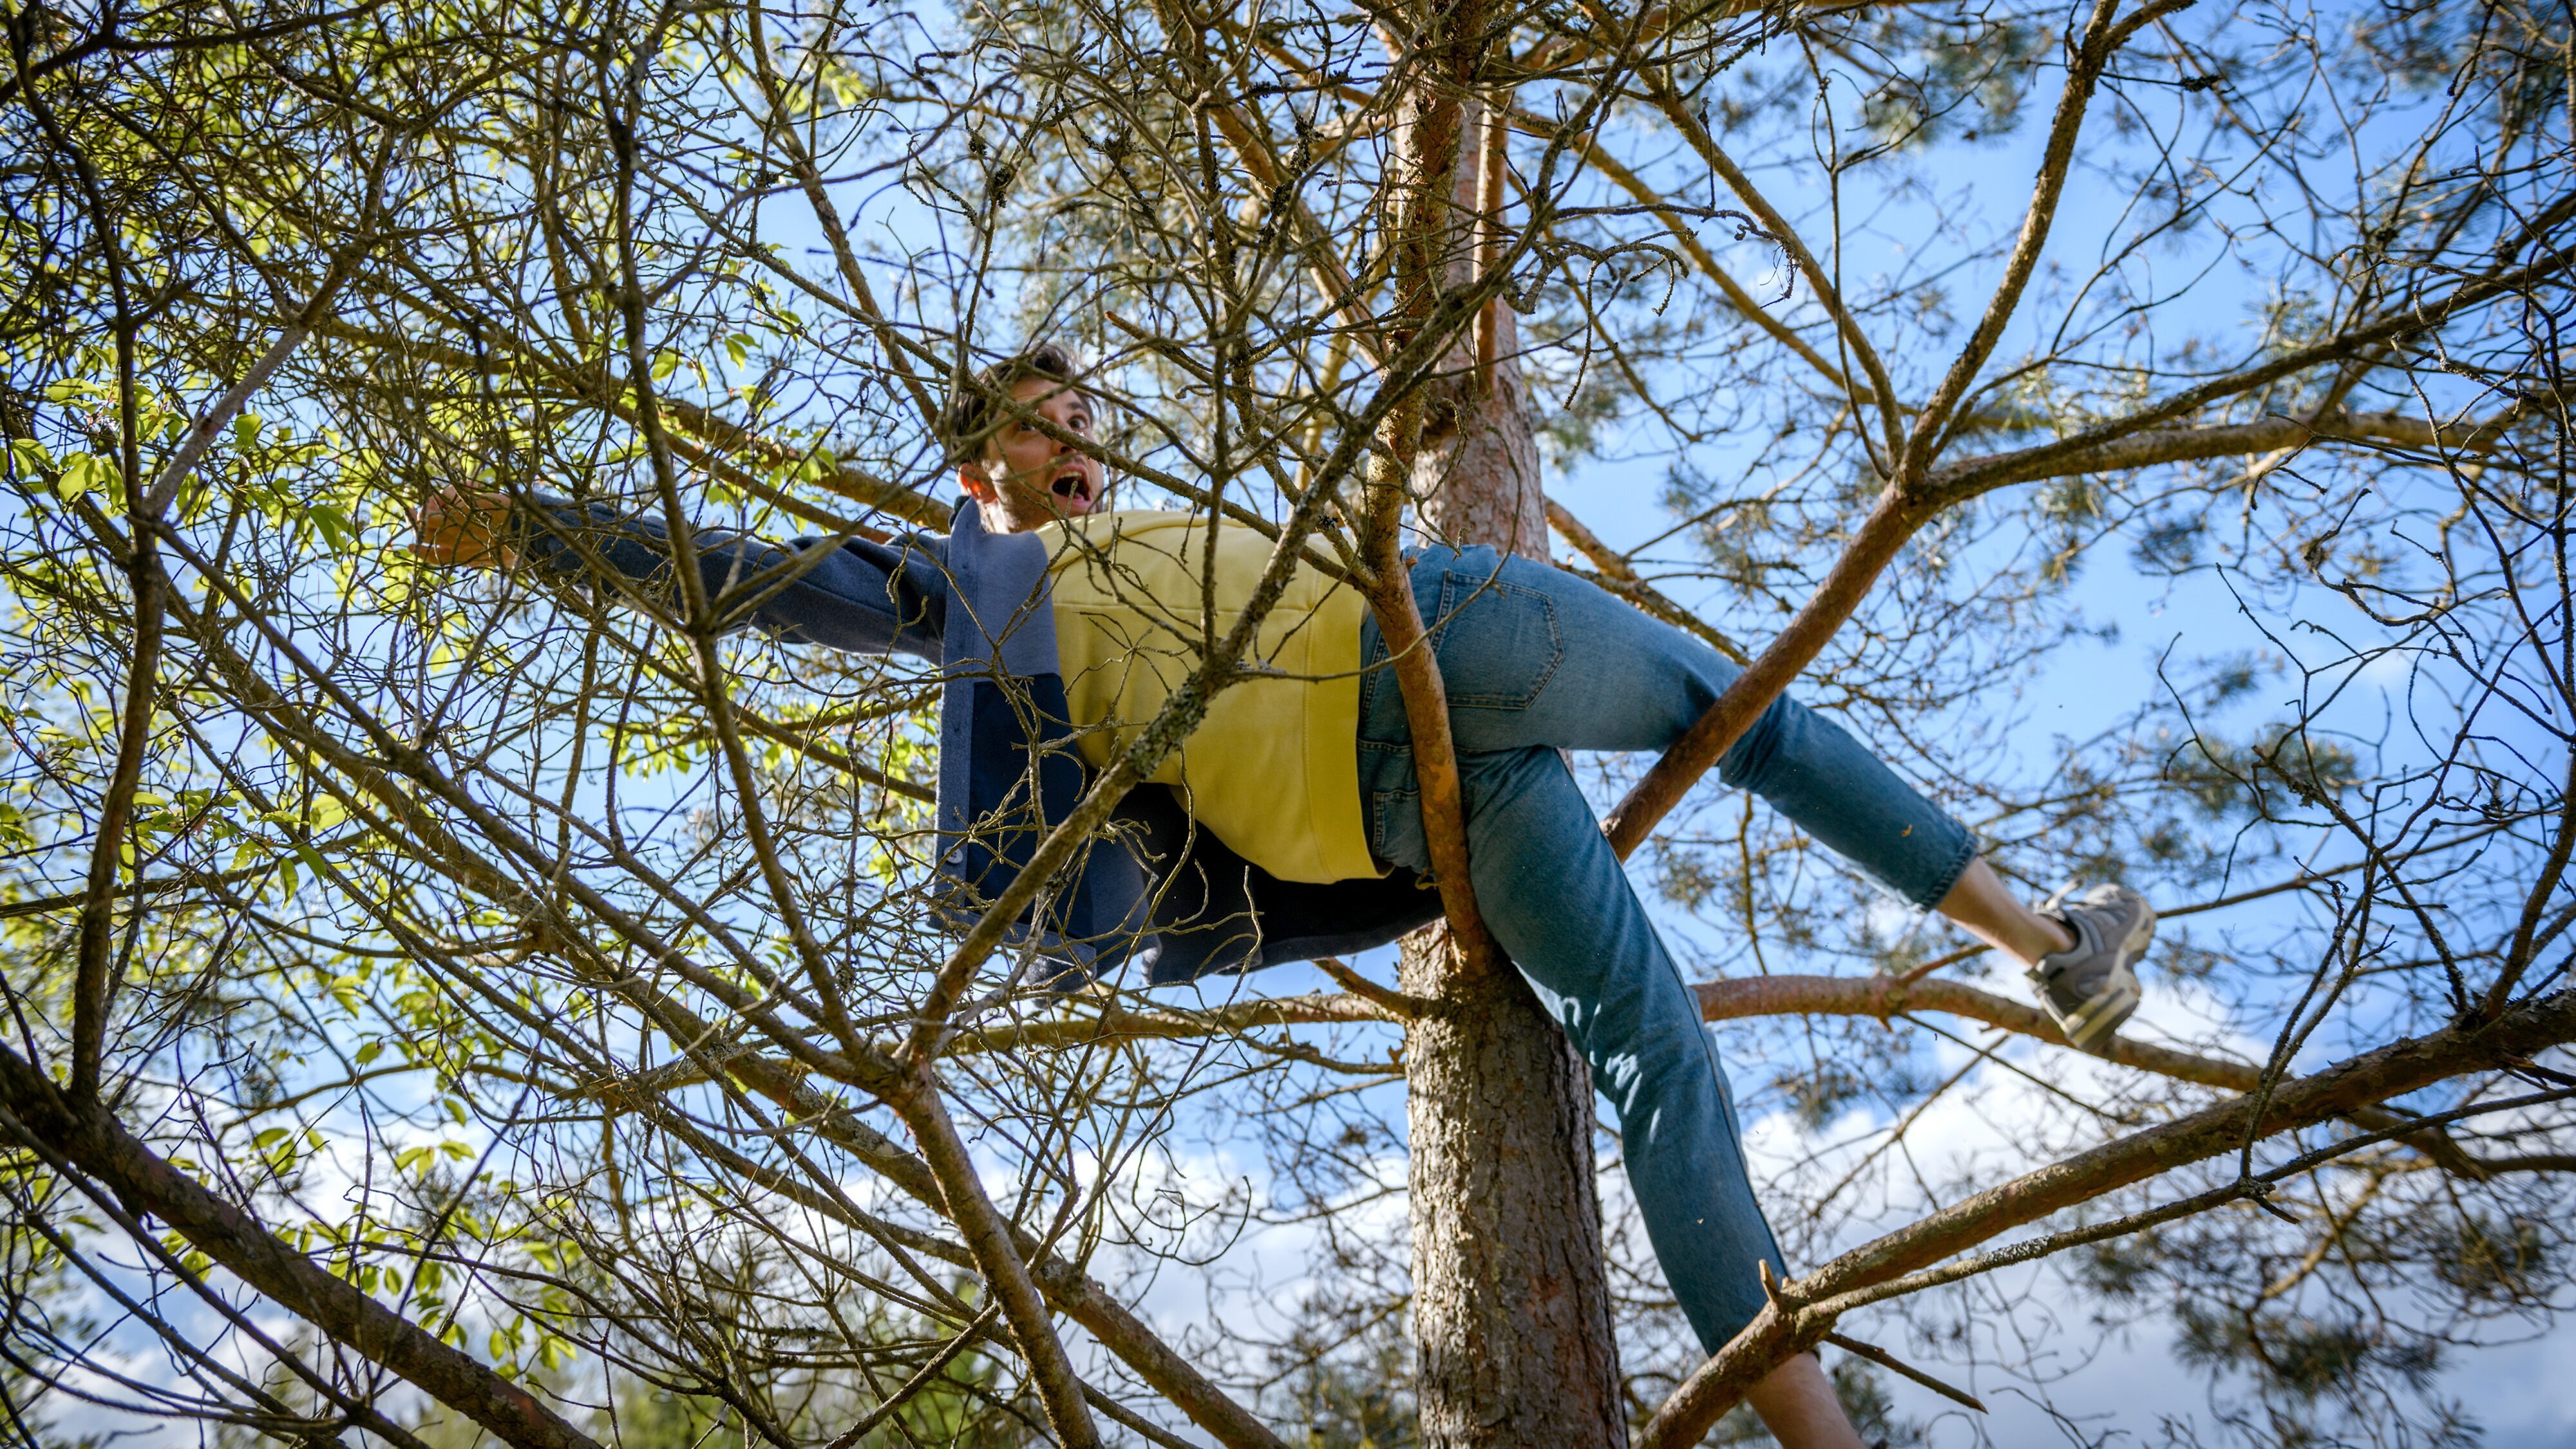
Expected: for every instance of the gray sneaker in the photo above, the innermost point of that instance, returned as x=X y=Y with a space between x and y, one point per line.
x=2088 y=986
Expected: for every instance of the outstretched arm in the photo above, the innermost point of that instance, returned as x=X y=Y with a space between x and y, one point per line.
x=852 y=594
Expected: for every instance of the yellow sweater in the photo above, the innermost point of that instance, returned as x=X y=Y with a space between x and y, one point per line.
x=1273 y=770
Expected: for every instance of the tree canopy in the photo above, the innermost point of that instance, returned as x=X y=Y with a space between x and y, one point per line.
x=447 y=1004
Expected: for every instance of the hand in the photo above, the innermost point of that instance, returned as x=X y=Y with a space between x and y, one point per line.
x=463 y=530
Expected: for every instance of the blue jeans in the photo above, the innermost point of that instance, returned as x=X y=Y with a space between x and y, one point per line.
x=1537 y=660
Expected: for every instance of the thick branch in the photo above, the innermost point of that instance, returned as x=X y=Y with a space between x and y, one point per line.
x=1424 y=241
x=2344 y=1090
x=1886 y=996
x=1885 y=531
x=89 y=1136
x=2187 y=445
x=1006 y=1272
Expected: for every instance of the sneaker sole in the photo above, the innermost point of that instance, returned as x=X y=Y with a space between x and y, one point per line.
x=2093 y=1023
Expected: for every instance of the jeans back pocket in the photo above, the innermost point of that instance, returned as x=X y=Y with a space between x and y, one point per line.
x=1499 y=642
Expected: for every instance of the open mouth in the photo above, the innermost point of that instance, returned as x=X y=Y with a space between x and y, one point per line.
x=1073 y=491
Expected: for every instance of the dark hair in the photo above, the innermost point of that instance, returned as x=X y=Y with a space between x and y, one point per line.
x=976 y=411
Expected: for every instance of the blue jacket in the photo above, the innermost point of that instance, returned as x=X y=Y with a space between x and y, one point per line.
x=979 y=606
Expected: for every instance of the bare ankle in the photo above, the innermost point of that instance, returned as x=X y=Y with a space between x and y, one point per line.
x=1796 y=1403
x=1988 y=908
x=2061 y=936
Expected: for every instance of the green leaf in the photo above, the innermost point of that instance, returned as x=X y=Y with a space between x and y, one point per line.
x=665 y=363
x=334 y=525
x=815 y=465
x=270 y=1138
x=81 y=475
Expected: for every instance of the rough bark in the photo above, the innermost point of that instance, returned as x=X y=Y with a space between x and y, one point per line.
x=1478 y=473
x=1511 y=1309
x=1511 y=1313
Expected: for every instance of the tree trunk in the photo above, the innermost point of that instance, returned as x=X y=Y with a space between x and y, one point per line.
x=1511 y=1311
x=1511 y=1307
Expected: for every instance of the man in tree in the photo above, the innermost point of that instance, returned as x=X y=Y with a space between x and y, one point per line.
x=1287 y=826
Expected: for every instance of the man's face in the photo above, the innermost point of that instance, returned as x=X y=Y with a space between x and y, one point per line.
x=1026 y=478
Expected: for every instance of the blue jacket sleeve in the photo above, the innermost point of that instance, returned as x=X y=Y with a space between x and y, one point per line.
x=865 y=597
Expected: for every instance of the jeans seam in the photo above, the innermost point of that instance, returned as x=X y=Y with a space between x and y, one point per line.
x=1733 y=1123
